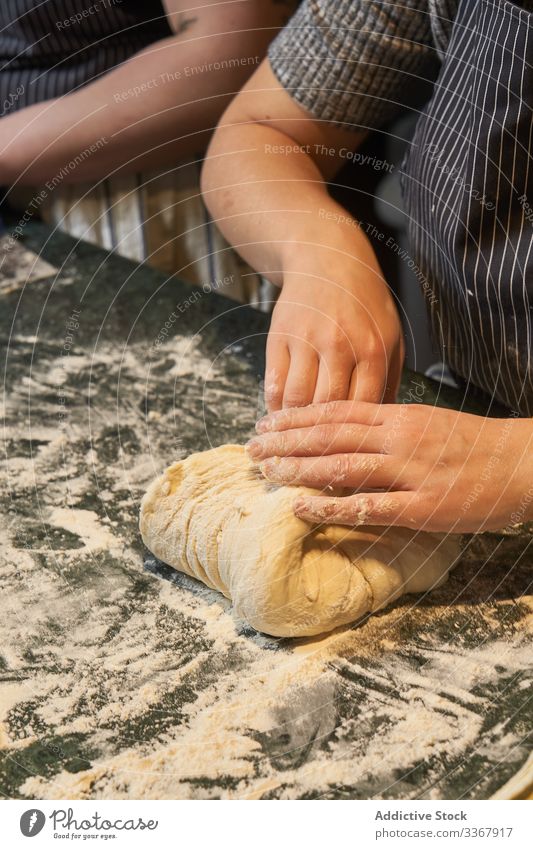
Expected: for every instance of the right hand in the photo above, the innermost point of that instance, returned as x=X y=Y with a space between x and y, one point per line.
x=335 y=333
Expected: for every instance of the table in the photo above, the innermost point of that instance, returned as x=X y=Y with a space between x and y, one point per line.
x=124 y=679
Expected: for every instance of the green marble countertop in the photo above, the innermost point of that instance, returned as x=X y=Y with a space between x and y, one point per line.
x=124 y=679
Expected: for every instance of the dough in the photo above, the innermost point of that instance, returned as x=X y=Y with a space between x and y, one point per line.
x=214 y=517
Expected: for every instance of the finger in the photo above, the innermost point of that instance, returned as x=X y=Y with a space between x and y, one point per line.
x=301 y=379
x=350 y=470
x=333 y=380
x=317 y=441
x=368 y=382
x=333 y=411
x=394 y=375
x=387 y=508
x=277 y=368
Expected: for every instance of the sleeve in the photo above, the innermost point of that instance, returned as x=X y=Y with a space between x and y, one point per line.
x=358 y=63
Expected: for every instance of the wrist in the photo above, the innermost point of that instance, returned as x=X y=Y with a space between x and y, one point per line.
x=331 y=245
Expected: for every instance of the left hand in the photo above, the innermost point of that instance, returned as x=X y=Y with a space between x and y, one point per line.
x=413 y=465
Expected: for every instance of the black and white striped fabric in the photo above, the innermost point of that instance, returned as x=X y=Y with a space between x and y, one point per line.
x=467 y=181
x=51 y=47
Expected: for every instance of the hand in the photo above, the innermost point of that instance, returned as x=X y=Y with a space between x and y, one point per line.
x=406 y=464
x=335 y=332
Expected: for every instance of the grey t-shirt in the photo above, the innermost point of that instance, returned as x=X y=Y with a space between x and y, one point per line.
x=357 y=62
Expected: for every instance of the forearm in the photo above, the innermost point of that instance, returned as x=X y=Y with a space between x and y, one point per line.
x=335 y=331
x=151 y=111
x=269 y=198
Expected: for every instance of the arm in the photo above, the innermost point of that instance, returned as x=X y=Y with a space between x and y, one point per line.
x=335 y=331
x=348 y=65
x=151 y=111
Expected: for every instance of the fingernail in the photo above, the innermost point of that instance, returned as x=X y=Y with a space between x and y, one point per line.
x=264 y=424
x=269 y=468
x=305 y=509
x=254 y=448
x=315 y=509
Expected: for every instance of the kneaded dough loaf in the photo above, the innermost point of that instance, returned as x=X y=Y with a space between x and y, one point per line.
x=215 y=518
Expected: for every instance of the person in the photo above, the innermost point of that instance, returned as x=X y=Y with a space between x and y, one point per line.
x=106 y=109
x=338 y=71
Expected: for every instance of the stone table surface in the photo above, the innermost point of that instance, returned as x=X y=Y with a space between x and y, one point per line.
x=124 y=679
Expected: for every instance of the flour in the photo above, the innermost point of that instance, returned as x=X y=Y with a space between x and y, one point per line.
x=155 y=683
x=215 y=740
x=86 y=524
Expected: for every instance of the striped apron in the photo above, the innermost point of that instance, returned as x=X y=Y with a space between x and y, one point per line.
x=467 y=182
